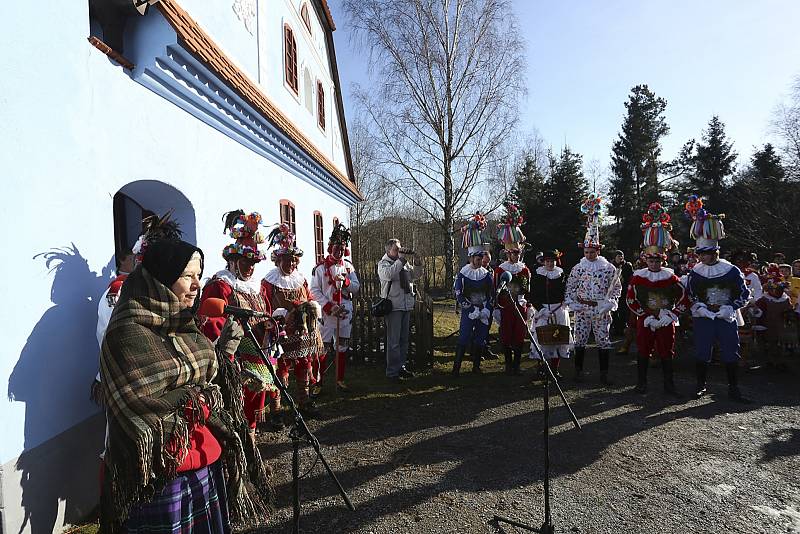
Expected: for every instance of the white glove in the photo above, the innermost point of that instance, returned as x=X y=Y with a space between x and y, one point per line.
x=755 y=312
x=727 y=313
x=700 y=310
x=666 y=318
x=475 y=313
x=532 y=313
x=650 y=322
x=485 y=313
x=496 y=315
x=603 y=306
x=522 y=302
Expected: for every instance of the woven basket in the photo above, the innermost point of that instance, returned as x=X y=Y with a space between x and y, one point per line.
x=552 y=333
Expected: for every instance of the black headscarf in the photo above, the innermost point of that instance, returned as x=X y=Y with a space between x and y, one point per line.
x=166 y=260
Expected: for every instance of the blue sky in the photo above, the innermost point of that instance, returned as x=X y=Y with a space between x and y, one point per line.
x=733 y=58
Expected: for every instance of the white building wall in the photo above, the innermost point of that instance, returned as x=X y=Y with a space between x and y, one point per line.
x=76 y=130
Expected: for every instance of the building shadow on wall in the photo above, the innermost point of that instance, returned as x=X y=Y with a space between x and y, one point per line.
x=52 y=377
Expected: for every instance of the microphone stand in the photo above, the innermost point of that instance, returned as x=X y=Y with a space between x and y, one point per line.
x=297 y=433
x=547 y=527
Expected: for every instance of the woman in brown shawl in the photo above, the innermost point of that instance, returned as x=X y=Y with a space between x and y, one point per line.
x=175 y=460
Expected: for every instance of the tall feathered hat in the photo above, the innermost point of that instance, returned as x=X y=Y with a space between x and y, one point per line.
x=156 y=229
x=706 y=229
x=472 y=235
x=774 y=280
x=591 y=208
x=508 y=231
x=340 y=235
x=282 y=238
x=656 y=228
x=245 y=231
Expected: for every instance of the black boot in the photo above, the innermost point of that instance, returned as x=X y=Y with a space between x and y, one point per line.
x=700 y=369
x=669 y=382
x=477 y=352
x=580 y=354
x=517 y=361
x=507 y=356
x=733 y=383
x=641 y=371
x=460 y=350
x=488 y=354
x=604 y=356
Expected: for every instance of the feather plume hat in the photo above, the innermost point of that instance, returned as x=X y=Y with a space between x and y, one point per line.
x=246 y=232
x=282 y=242
x=340 y=235
x=509 y=232
x=707 y=229
x=472 y=235
x=656 y=232
x=591 y=208
x=156 y=229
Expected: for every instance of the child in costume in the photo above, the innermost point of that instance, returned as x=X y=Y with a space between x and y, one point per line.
x=717 y=290
x=474 y=290
x=548 y=284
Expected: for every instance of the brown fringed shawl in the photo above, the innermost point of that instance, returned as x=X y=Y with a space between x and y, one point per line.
x=153 y=361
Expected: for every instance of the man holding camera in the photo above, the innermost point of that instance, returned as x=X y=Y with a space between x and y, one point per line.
x=397 y=277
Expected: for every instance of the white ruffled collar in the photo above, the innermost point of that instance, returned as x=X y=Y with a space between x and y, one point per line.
x=552 y=275
x=513 y=268
x=654 y=276
x=597 y=265
x=770 y=298
x=276 y=277
x=250 y=287
x=474 y=274
x=720 y=268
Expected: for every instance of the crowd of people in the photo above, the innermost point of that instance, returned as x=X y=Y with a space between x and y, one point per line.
x=185 y=390
x=729 y=304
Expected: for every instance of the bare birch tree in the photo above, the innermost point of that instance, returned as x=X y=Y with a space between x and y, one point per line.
x=786 y=126
x=448 y=76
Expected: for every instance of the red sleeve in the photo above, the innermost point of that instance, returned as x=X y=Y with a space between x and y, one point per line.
x=630 y=297
x=684 y=303
x=212 y=326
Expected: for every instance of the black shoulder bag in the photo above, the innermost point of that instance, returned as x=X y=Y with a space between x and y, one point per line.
x=382 y=306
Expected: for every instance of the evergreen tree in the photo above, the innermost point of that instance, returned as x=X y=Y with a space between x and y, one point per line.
x=714 y=162
x=635 y=163
x=529 y=194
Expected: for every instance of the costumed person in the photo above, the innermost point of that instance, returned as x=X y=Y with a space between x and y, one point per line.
x=775 y=315
x=333 y=284
x=474 y=290
x=235 y=285
x=717 y=290
x=592 y=292
x=486 y=262
x=744 y=261
x=511 y=321
x=657 y=298
x=175 y=455
x=286 y=287
x=547 y=297
x=623 y=324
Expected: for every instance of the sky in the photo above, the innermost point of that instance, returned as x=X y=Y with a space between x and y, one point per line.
x=732 y=58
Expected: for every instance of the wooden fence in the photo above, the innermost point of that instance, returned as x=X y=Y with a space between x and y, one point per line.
x=368 y=338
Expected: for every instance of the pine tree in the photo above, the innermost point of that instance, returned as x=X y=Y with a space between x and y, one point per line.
x=715 y=162
x=529 y=194
x=635 y=163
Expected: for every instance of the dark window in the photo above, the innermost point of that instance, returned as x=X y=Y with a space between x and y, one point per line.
x=287 y=216
x=290 y=58
x=305 y=16
x=320 y=105
x=319 y=239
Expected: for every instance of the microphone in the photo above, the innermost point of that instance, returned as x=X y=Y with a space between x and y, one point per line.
x=212 y=307
x=504 y=279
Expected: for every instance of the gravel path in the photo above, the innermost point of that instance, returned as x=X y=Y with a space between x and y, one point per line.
x=439 y=455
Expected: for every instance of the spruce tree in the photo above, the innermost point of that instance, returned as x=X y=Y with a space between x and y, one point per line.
x=635 y=163
x=715 y=162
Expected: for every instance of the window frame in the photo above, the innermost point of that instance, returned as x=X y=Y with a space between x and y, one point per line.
x=288 y=214
x=320 y=105
x=290 y=61
x=306 y=17
x=319 y=237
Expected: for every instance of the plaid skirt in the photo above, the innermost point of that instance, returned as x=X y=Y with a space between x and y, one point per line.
x=193 y=503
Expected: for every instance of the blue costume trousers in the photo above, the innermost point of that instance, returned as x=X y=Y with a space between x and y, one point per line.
x=707 y=331
x=472 y=330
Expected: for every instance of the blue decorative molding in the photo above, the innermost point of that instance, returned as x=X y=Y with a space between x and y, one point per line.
x=178 y=76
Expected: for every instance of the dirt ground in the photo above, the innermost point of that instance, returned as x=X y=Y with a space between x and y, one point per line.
x=441 y=455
